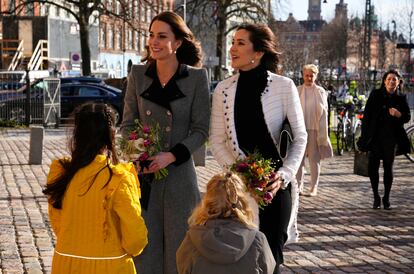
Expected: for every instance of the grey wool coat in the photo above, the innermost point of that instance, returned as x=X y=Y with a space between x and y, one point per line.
x=184 y=121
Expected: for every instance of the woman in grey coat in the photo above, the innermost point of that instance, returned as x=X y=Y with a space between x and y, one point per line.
x=223 y=237
x=169 y=92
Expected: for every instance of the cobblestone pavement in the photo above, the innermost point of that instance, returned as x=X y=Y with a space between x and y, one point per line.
x=340 y=233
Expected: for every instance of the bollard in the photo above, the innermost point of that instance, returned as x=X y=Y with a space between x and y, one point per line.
x=36 y=145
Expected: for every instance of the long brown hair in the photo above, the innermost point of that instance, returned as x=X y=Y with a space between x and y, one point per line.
x=189 y=52
x=94 y=130
x=263 y=40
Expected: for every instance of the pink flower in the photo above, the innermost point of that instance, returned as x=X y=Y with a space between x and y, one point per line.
x=144 y=156
x=133 y=136
x=242 y=167
x=146 y=129
x=267 y=197
x=147 y=143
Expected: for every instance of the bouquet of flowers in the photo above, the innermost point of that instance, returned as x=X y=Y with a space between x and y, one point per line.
x=256 y=172
x=143 y=142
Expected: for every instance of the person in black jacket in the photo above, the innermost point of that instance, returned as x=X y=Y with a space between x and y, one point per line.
x=383 y=134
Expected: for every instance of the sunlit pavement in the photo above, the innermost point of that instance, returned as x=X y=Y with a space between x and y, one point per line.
x=340 y=232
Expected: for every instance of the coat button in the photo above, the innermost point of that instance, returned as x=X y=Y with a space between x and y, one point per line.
x=148 y=112
x=168 y=129
x=168 y=113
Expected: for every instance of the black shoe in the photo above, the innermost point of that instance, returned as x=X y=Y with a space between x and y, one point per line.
x=377 y=203
x=386 y=203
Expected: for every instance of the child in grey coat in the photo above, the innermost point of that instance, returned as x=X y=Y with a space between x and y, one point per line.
x=223 y=237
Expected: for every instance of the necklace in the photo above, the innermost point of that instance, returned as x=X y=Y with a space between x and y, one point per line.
x=164 y=84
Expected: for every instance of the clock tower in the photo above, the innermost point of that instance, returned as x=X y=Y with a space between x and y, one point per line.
x=314 y=11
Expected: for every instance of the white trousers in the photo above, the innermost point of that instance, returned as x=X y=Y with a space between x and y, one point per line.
x=312 y=152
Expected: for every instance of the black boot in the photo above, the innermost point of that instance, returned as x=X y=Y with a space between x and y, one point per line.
x=377 y=202
x=386 y=203
x=277 y=269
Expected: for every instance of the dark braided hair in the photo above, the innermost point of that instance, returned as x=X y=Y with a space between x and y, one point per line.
x=93 y=131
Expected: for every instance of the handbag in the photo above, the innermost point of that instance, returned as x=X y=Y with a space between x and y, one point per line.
x=361 y=163
x=286 y=138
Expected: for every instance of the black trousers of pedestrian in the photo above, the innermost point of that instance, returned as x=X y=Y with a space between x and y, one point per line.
x=384 y=150
x=274 y=221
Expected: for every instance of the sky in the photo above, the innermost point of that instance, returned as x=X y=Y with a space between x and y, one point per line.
x=387 y=10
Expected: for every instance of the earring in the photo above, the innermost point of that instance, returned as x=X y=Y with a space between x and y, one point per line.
x=252 y=61
x=175 y=51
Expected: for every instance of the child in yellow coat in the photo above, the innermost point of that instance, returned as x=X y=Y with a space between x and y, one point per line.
x=94 y=206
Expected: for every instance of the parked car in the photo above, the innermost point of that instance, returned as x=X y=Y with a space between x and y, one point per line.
x=75 y=94
x=72 y=94
x=81 y=79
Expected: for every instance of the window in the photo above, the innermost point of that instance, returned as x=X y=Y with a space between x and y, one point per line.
x=136 y=44
x=89 y=92
x=12 y=6
x=129 y=39
x=118 y=39
x=109 y=5
x=102 y=36
x=110 y=37
x=118 y=8
x=29 y=9
x=66 y=91
x=148 y=14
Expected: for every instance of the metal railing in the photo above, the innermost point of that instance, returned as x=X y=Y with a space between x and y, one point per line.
x=36 y=103
x=39 y=55
x=17 y=57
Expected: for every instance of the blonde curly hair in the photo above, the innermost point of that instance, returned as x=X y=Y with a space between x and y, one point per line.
x=226 y=198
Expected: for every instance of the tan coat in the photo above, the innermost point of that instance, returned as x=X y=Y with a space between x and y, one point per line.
x=320 y=98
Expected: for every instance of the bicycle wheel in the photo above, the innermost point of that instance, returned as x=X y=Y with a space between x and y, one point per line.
x=410 y=134
x=348 y=136
x=340 y=142
x=356 y=136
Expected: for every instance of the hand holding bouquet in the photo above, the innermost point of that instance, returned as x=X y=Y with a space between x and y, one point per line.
x=143 y=143
x=257 y=173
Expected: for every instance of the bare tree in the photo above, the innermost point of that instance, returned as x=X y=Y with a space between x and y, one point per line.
x=333 y=43
x=85 y=11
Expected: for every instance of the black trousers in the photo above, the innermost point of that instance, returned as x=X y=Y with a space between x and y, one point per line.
x=385 y=151
x=274 y=221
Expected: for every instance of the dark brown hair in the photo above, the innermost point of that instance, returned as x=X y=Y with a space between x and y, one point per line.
x=94 y=130
x=189 y=52
x=392 y=71
x=263 y=40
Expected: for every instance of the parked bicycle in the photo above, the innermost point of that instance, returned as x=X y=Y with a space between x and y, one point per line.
x=350 y=114
x=344 y=138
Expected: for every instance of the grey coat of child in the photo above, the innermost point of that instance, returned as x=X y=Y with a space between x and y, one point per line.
x=224 y=246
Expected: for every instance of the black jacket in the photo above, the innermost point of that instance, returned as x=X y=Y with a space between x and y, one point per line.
x=375 y=111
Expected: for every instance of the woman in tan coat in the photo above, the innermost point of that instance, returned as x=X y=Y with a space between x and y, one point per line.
x=313 y=99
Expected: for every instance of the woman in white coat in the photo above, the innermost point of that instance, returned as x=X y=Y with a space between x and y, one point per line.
x=314 y=101
x=247 y=114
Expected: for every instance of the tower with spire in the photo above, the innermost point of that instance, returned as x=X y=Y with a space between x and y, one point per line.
x=314 y=10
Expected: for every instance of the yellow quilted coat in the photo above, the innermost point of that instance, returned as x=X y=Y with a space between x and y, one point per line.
x=99 y=228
